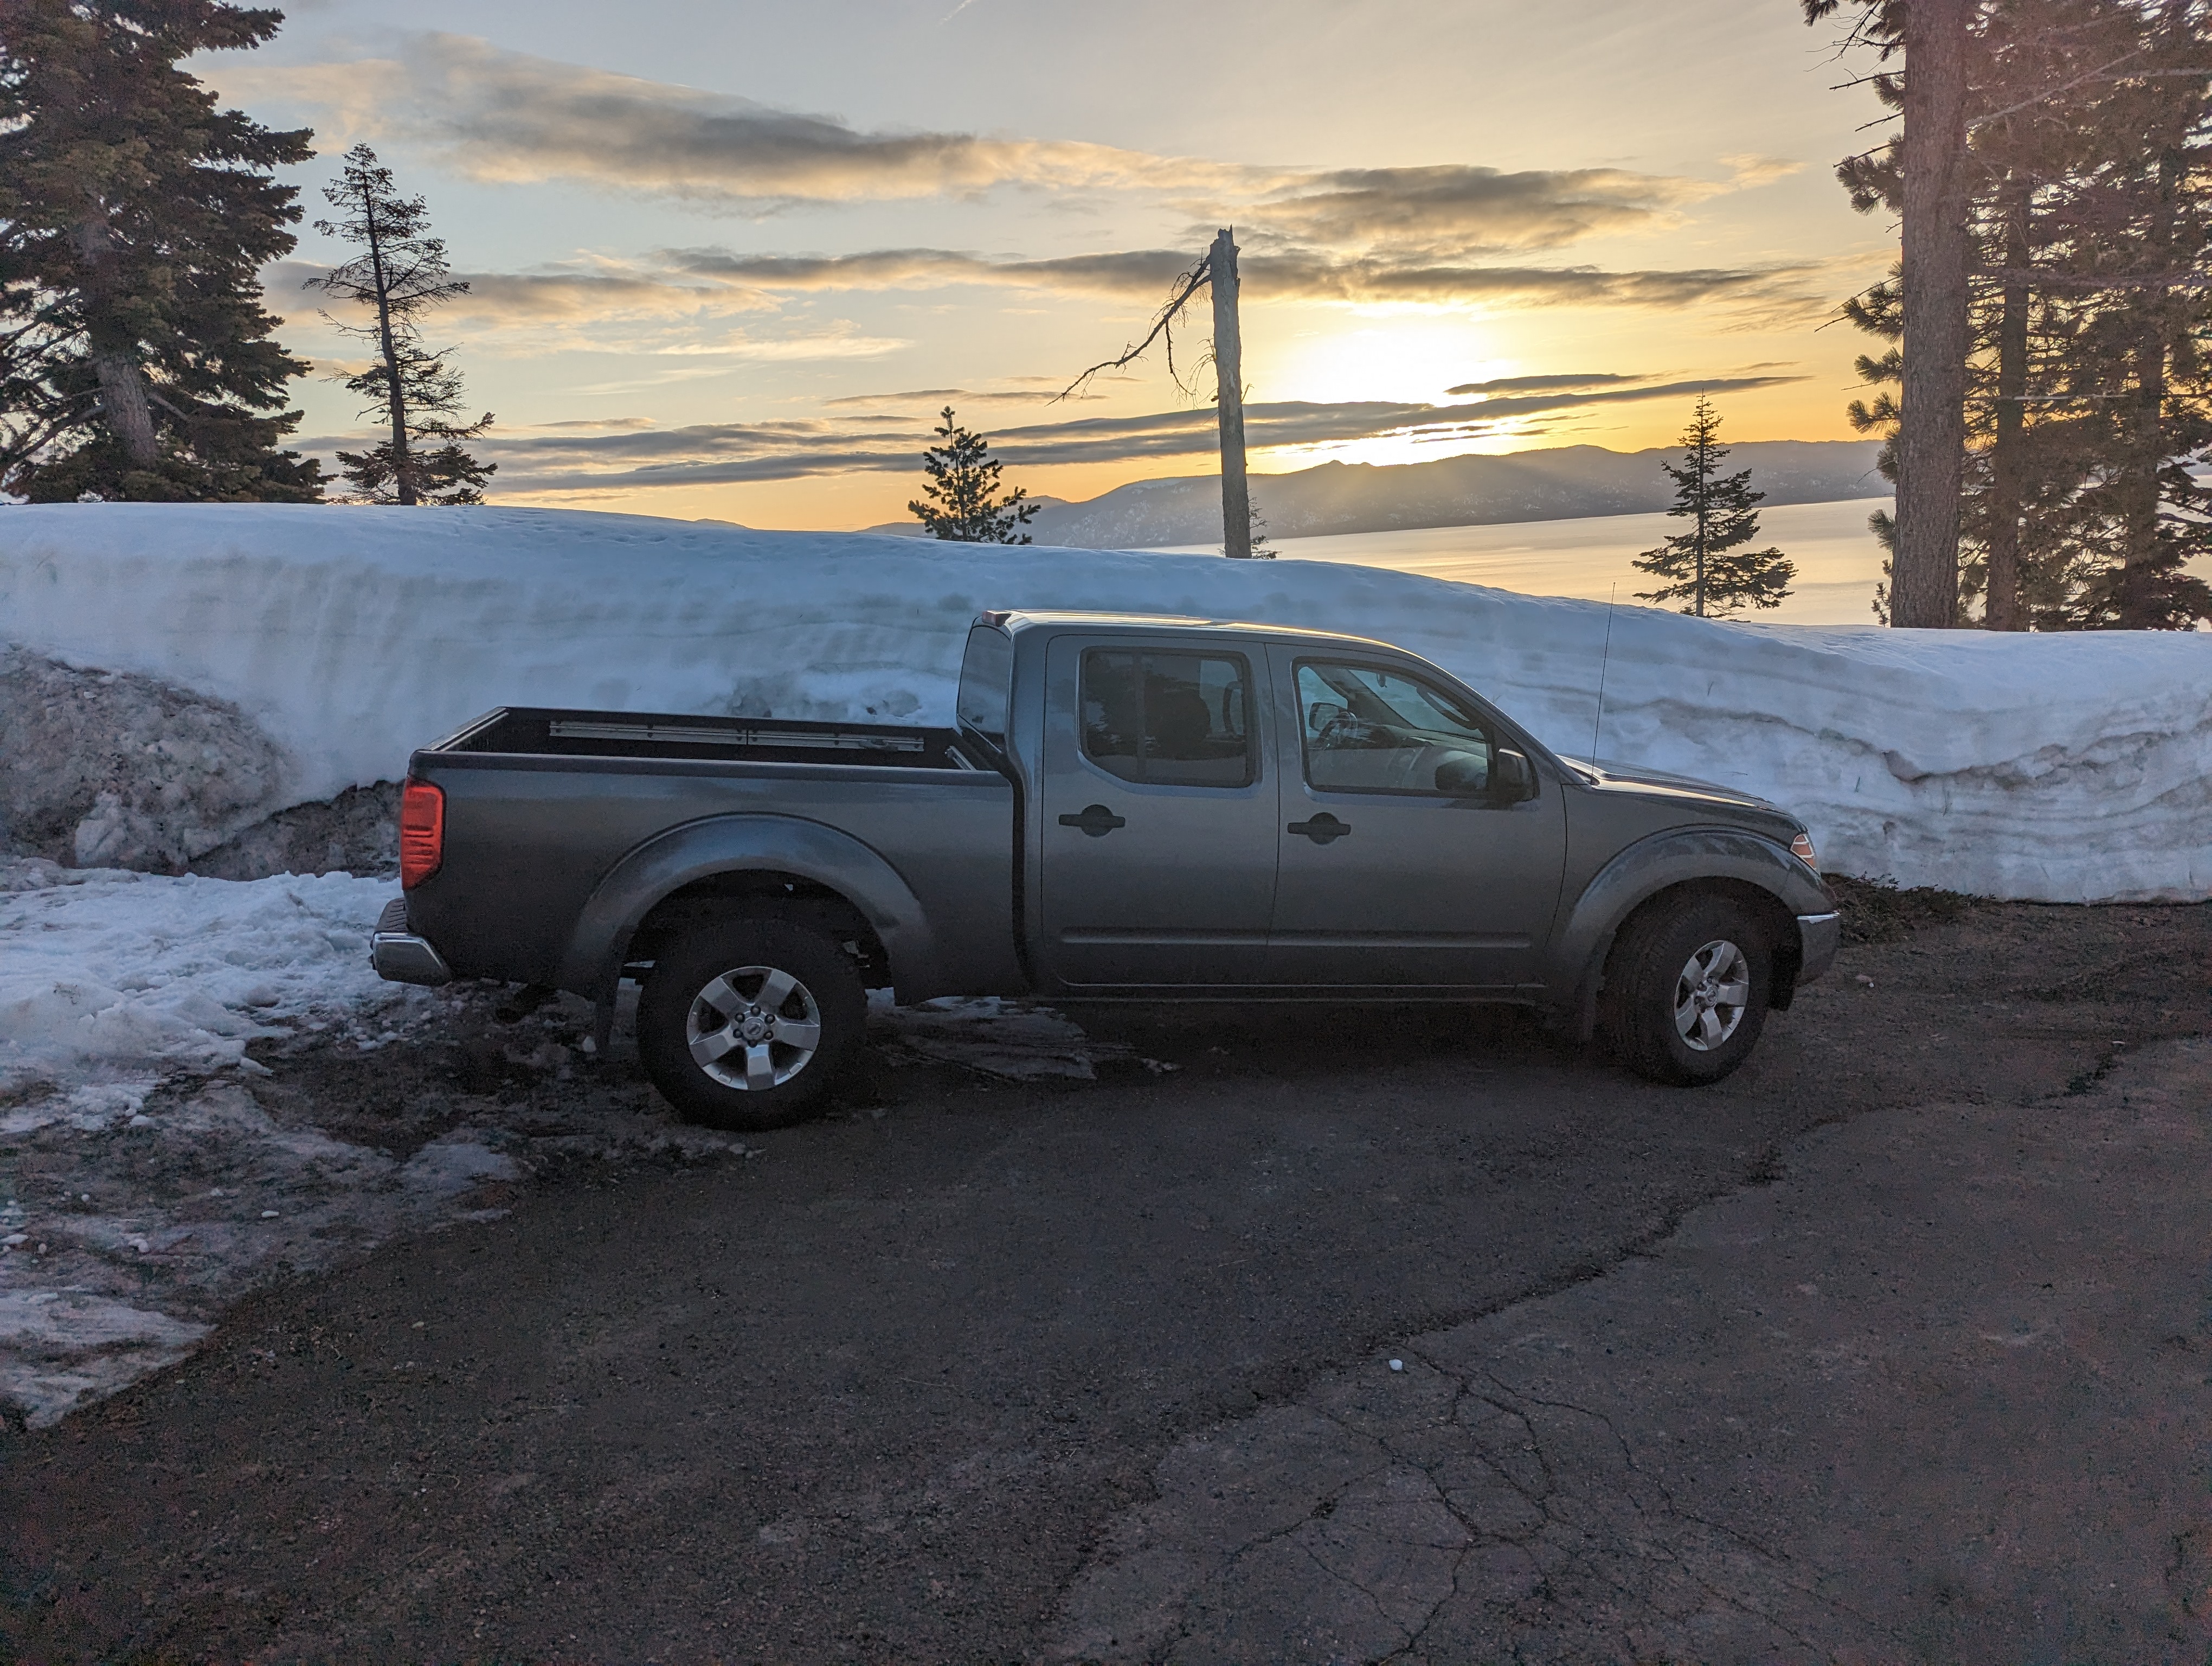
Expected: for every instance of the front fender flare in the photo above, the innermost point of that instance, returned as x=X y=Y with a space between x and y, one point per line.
x=1680 y=855
x=729 y=844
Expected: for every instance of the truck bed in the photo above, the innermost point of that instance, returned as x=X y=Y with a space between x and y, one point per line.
x=543 y=806
x=542 y=732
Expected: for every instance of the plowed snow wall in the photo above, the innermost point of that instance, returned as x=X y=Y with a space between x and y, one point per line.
x=2063 y=768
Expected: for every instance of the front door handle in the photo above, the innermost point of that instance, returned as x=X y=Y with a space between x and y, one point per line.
x=1321 y=829
x=1097 y=820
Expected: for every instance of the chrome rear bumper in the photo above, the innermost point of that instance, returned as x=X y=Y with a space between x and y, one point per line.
x=399 y=955
x=1819 y=936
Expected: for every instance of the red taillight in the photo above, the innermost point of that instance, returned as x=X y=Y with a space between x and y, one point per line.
x=421 y=832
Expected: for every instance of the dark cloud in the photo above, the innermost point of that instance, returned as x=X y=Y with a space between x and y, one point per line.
x=1463 y=210
x=1145 y=275
x=1545 y=384
x=630 y=459
x=502 y=115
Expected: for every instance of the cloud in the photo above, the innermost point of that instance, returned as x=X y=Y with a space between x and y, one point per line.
x=514 y=118
x=1144 y=276
x=1545 y=384
x=1462 y=211
x=628 y=458
x=1753 y=171
x=500 y=115
x=596 y=305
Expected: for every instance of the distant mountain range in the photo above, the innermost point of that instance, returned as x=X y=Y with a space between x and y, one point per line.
x=1563 y=484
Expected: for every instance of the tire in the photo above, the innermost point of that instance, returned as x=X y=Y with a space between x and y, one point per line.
x=1686 y=989
x=744 y=1023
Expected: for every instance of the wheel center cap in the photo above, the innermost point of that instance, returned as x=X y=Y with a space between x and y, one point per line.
x=755 y=1027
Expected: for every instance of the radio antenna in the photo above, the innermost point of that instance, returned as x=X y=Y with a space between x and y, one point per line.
x=1604 y=659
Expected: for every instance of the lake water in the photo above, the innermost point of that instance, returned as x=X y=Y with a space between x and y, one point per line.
x=1838 y=562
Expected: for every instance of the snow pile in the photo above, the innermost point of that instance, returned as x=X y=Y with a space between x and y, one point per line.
x=110 y=979
x=104 y=771
x=2058 y=768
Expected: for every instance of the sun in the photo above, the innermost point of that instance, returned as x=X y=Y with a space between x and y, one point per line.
x=1412 y=358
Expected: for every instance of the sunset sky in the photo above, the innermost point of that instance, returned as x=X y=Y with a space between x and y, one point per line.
x=728 y=258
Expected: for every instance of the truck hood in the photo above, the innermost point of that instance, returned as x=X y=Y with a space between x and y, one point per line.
x=1658 y=783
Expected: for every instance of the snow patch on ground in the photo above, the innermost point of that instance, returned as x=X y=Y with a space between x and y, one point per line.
x=2063 y=768
x=109 y=978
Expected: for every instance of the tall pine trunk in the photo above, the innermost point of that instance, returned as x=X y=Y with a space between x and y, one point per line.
x=2145 y=450
x=1702 y=460
x=403 y=475
x=1931 y=434
x=2007 y=465
x=123 y=401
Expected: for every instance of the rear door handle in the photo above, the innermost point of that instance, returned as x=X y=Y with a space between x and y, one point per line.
x=1321 y=829
x=1097 y=820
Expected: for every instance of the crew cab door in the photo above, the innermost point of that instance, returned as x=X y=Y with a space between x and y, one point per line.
x=1157 y=812
x=1405 y=862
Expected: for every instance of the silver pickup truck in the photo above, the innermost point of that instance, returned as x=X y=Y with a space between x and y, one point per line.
x=1127 y=809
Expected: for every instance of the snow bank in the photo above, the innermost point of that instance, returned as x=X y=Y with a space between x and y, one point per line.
x=2059 y=768
x=110 y=979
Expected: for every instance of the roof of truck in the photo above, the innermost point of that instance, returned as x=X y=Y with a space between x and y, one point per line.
x=1029 y=619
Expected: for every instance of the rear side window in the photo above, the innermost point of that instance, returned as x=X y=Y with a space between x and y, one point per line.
x=986 y=676
x=1162 y=718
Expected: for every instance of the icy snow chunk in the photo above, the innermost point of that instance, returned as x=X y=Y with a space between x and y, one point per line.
x=59 y=1347
x=456 y=1164
x=124 y=969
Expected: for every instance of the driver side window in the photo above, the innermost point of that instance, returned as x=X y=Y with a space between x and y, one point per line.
x=1368 y=729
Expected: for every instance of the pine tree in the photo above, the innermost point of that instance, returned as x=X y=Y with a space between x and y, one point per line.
x=136 y=358
x=400 y=273
x=965 y=505
x=2134 y=369
x=1263 y=548
x=1708 y=565
x=2089 y=188
x=1924 y=175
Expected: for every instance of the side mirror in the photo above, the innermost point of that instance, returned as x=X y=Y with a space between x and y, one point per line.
x=1321 y=714
x=1464 y=775
x=1511 y=778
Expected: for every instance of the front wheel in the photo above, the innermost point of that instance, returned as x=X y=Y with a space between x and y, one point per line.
x=1686 y=989
x=744 y=1023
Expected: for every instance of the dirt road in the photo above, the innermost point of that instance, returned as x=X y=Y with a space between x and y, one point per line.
x=922 y=1382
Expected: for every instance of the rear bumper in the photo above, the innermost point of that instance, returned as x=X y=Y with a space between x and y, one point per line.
x=1819 y=936
x=399 y=955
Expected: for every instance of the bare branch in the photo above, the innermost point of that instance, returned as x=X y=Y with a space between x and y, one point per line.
x=1163 y=324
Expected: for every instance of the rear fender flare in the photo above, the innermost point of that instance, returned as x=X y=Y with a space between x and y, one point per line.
x=729 y=844
x=1682 y=856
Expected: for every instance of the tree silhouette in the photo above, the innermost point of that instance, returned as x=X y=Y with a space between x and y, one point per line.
x=136 y=358
x=965 y=505
x=400 y=273
x=1708 y=565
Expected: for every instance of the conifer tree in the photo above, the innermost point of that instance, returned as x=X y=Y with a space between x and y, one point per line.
x=400 y=273
x=1263 y=547
x=136 y=358
x=964 y=504
x=2088 y=397
x=1708 y=565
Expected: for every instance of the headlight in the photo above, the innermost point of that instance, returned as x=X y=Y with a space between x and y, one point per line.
x=1802 y=848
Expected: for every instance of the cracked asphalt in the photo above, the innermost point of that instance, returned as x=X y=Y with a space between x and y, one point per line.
x=1894 y=1346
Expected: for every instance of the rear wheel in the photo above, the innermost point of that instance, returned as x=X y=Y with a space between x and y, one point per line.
x=744 y=1023
x=1686 y=989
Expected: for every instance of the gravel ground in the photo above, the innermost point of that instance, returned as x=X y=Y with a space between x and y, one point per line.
x=893 y=1386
